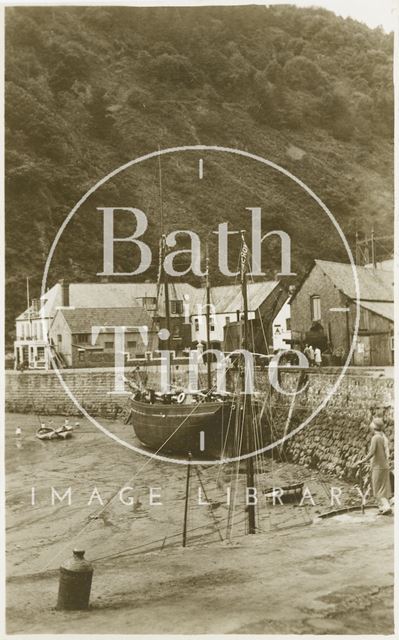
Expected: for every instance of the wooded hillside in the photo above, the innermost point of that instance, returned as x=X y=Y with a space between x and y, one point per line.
x=89 y=88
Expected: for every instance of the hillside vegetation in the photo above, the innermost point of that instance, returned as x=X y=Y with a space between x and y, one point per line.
x=90 y=88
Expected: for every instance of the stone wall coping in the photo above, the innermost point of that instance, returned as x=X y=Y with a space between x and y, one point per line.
x=143 y=365
x=381 y=372
x=354 y=372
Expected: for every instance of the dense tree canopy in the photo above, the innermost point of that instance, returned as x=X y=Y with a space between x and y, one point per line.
x=88 y=88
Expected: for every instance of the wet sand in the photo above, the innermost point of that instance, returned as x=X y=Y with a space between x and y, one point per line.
x=297 y=575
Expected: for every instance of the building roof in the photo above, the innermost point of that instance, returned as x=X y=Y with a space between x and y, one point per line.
x=228 y=298
x=114 y=295
x=118 y=295
x=48 y=303
x=82 y=320
x=385 y=265
x=191 y=296
x=384 y=309
x=374 y=284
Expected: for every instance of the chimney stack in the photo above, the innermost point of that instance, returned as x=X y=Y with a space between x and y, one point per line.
x=64 y=293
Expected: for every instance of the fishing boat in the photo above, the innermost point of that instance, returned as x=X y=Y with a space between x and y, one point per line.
x=179 y=421
x=202 y=423
x=198 y=427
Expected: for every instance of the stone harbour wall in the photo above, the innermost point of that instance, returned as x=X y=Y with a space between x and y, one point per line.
x=339 y=434
x=331 y=442
x=42 y=392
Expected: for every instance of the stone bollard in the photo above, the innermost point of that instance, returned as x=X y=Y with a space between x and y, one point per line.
x=75 y=582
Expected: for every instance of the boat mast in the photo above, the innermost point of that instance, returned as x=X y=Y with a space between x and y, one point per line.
x=208 y=330
x=248 y=419
x=166 y=288
x=28 y=305
x=163 y=253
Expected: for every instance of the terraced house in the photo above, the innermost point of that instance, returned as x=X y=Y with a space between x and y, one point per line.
x=60 y=325
x=323 y=312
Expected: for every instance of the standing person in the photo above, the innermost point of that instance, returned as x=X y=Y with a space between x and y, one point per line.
x=306 y=352
x=18 y=437
x=311 y=356
x=317 y=357
x=379 y=456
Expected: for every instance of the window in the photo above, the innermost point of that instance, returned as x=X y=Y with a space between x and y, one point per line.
x=59 y=338
x=196 y=324
x=364 y=319
x=176 y=331
x=315 y=308
x=392 y=343
x=82 y=337
x=227 y=319
x=288 y=324
x=149 y=303
x=212 y=326
x=131 y=344
x=81 y=356
x=40 y=353
x=108 y=345
x=176 y=307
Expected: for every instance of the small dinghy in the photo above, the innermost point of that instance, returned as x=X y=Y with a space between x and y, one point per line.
x=64 y=432
x=52 y=433
x=45 y=433
x=290 y=490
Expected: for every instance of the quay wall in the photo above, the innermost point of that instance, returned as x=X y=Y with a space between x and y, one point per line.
x=339 y=434
x=42 y=392
x=333 y=439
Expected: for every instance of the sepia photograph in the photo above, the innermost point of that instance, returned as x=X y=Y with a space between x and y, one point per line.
x=199 y=318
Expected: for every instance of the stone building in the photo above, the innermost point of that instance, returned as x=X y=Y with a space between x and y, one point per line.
x=226 y=310
x=31 y=329
x=33 y=324
x=87 y=338
x=187 y=305
x=323 y=313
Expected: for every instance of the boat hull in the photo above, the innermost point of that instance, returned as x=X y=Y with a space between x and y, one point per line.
x=176 y=428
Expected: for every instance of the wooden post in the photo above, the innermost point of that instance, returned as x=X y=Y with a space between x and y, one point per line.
x=348 y=331
x=248 y=422
x=208 y=330
x=186 y=501
x=357 y=249
x=373 y=257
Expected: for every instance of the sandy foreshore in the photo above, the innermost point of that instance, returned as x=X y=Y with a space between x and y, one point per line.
x=297 y=575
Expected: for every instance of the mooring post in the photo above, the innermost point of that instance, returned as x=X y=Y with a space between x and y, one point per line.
x=75 y=582
x=186 y=500
x=359 y=476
